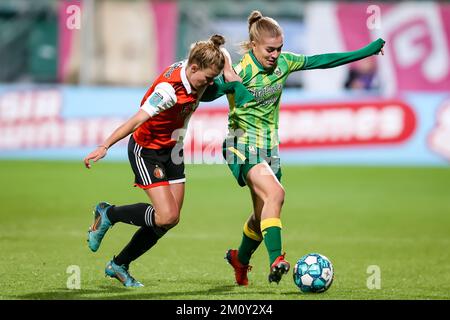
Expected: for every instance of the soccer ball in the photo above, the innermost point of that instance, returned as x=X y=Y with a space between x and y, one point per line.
x=313 y=273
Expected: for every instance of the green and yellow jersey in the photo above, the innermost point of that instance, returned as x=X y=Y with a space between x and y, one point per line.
x=256 y=122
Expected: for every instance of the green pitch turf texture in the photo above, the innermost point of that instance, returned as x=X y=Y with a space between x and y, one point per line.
x=395 y=218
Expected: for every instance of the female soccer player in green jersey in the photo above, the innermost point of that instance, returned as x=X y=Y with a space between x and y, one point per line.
x=251 y=147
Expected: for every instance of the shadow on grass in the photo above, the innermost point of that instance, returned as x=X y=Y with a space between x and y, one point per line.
x=114 y=292
x=68 y=294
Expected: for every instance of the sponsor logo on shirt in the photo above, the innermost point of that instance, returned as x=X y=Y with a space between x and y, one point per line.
x=172 y=69
x=155 y=99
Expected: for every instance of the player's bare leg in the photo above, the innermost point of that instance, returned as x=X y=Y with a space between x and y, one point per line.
x=167 y=201
x=270 y=192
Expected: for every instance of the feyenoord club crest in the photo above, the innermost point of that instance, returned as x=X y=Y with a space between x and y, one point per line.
x=188 y=109
x=158 y=173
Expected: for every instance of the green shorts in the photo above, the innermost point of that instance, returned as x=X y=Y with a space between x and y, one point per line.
x=242 y=157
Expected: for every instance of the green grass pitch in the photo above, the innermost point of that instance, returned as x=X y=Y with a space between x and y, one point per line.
x=395 y=218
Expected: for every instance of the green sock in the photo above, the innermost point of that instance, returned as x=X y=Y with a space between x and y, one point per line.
x=246 y=249
x=272 y=240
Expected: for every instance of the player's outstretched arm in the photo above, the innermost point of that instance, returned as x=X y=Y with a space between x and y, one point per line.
x=228 y=71
x=121 y=132
x=331 y=60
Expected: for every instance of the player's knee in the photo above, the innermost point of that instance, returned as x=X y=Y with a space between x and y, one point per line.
x=277 y=196
x=173 y=222
x=170 y=219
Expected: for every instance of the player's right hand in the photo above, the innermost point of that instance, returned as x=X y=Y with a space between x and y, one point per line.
x=95 y=155
x=231 y=76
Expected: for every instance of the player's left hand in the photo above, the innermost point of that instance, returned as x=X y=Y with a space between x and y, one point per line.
x=95 y=155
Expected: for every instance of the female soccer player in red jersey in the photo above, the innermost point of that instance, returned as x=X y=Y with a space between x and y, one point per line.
x=155 y=156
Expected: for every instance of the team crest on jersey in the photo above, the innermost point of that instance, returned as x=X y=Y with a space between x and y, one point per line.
x=277 y=71
x=158 y=173
x=188 y=109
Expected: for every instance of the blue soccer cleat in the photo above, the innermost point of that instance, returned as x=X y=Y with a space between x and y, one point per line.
x=99 y=227
x=121 y=273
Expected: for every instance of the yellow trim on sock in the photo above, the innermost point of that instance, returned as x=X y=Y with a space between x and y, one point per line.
x=237 y=152
x=270 y=222
x=252 y=234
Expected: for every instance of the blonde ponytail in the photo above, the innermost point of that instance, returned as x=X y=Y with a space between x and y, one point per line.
x=258 y=25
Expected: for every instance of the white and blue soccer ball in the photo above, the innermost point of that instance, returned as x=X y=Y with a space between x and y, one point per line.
x=313 y=273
